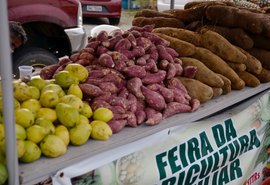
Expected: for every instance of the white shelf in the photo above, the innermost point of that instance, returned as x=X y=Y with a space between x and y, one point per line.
x=43 y=168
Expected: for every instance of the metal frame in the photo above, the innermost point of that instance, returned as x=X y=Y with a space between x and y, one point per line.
x=7 y=94
x=172 y=4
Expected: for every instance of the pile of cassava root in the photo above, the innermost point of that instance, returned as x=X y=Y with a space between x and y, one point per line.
x=229 y=45
x=135 y=74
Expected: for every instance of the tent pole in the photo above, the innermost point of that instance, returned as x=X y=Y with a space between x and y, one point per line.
x=172 y=4
x=7 y=94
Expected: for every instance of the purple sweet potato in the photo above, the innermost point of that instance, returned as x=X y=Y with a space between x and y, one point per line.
x=147 y=28
x=134 y=87
x=116 y=56
x=154 y=87
x=117 y=110
x=94 y=67
x=138 y=51
x=108 y=87
x=47 y=72
x=135 y=71
x=117 y=125
x=166 y=93
x=178 y=61
x=153 y=99
x=151 y=65
x=140 y=104
x=93 y=44
x=175 y=83
x=63 y=61
x=171 y=71
x=189 y=71
x=132 y=40
x=123 y=93
x=174 y=108
x=90 y=90
x=152 y=78
x=98 y=73
x=179 y=69
x=88 y=50
x=116 y=79
x=172 y=52
x=136 y=33
x=118 y=101
x=74 y=57
x=116 y=33
x=195 y=104
x=105 y=96
x=179 y=96
x=140 y=116
x=153 y=117
x=93 y=81
x=83 y=62
x=123 y=44
x=132 y=102
x=126 y=33
x=141 y=61
x=127 y=53
x=116 y=73
x=85 y=55
x=102 y=36
x=100 y=103
x=101 y=49
x=163 y=64
x=91 y=39
x=117 y=116
x=106 y=60
x=111 y=42
x=119 y=60
x=155 y=39
x=143 y=42
x=153 y=52
x=163 y=54
x=131 y=119
x=130 y=63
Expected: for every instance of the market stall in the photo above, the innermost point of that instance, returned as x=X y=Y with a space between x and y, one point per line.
x=96 y=153
x=103 y=152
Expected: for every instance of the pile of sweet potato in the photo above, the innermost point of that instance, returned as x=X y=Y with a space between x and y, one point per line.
x=135 y=74
x=228 y=44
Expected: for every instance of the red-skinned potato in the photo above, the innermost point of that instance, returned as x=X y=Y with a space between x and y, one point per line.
x=102 y=36
x=74 y=57
x=108 y=87
x=117 y=125
x=90 y=90
x=140 y=116
x=135 y=71
x=174 y=108
x=48 y=71
x=131 y=119
x=153 y=99
x=157 y=77
x=153 y=117
x=100 y=103
x=134 y=87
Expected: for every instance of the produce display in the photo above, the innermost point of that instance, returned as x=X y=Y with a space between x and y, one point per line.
x=50 y=115
x=133 y=73
x=166 y=63
x=229 y=52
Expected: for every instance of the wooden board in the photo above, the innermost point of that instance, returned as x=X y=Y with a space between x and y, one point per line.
x=44 y=167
